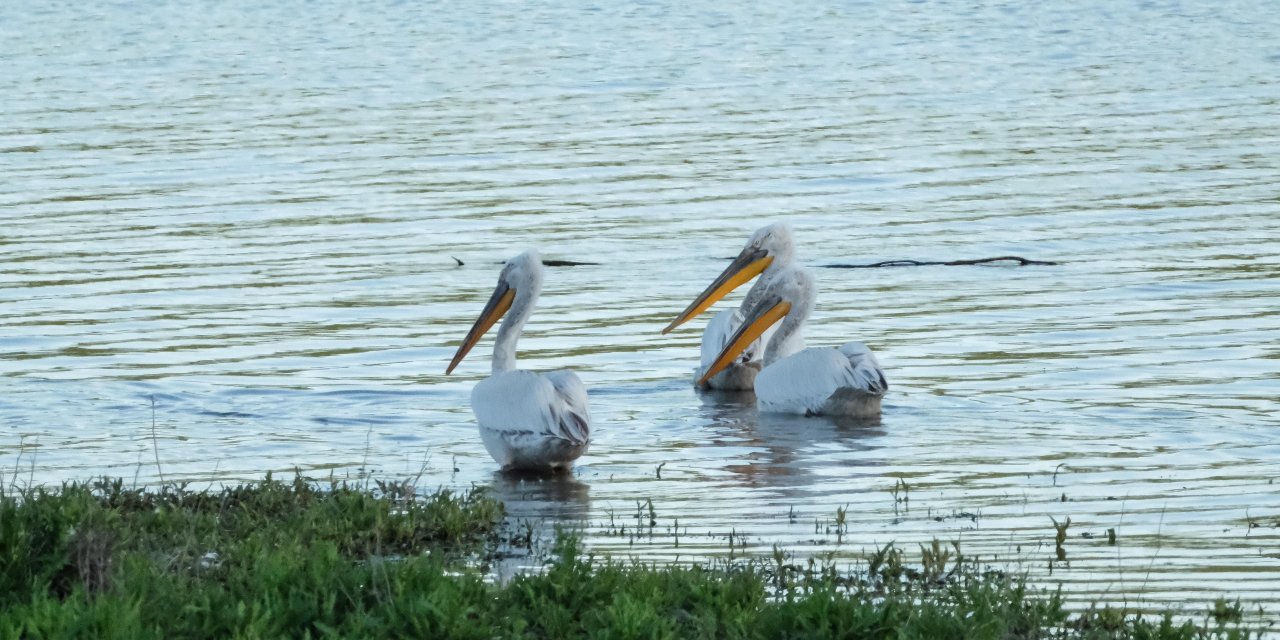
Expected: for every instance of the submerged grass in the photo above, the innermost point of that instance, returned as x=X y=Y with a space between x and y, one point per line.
x=298 y=559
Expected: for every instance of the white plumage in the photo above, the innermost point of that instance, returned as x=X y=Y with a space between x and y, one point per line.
x=837 y=381
x=827 y=381
x=530 y=420
x=527 y=420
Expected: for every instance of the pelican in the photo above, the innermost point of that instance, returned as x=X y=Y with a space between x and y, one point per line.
x=528 y=420
x=770 y=249
x=831 y=381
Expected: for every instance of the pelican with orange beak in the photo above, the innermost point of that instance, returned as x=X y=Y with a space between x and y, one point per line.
x=770 y=249
x=528 y=421
x=829 y=381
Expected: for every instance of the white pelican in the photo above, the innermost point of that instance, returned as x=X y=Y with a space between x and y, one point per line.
x=527 y=420
x=770 y=249
x=834 y=381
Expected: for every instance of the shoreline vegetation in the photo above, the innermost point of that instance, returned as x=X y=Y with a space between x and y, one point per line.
x=331 y=559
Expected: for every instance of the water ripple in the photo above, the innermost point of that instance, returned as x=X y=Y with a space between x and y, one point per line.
x=231 y=236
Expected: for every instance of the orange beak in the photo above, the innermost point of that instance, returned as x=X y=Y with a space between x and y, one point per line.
x=747 y=334
x=749 y=264
x=498 y=305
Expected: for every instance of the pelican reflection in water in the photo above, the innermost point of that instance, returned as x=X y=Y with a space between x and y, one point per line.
x=770 y=250
x=532 y=421
x=835 y=381
x=788 y=452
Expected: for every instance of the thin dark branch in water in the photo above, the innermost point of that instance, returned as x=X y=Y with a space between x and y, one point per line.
x=559 y=263
x=460 y=263
x=565 y=263
x=1022 y=262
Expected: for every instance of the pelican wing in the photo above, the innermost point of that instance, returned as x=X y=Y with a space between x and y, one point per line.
x=571 y=417
x=805 y=381
x=524 y=402
x=868 y=377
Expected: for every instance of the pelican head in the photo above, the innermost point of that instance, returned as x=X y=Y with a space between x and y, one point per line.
x=770 y=245
x=518 y=285
x=790 y=293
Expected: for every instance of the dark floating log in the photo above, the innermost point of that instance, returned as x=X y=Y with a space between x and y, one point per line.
x=1022 y=262
x=460 y=263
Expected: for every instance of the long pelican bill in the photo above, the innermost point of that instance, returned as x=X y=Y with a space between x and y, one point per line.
x=498 y=304
x=746 y=334
x=749 y=264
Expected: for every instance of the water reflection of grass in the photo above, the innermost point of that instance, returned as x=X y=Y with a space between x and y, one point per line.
x=298 y=559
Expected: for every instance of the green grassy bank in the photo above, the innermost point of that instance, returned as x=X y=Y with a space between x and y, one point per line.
x=277 y=559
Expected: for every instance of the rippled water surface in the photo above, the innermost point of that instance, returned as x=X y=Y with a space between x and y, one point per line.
x=239 y=222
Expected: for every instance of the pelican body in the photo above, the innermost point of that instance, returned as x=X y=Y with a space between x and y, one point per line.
x=770 y=249
x=828 y=381
x=528 y=420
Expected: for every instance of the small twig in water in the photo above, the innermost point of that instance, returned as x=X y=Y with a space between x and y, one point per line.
x=1159 y=545
x=155 y=441
x=31 y=477
x=17 y=463
x=364 y=460
x=1022 y=262
x=426 y=459
x=460 y=263
x=137 y=471
x=1119 y=557
x=1060 y=537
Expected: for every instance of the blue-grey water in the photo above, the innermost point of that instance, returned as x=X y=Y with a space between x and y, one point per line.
x=229 y=233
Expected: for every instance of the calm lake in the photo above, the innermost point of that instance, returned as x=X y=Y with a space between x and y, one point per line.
x=237 y=223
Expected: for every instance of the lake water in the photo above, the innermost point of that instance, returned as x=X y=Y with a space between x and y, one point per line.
x=237 y=222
